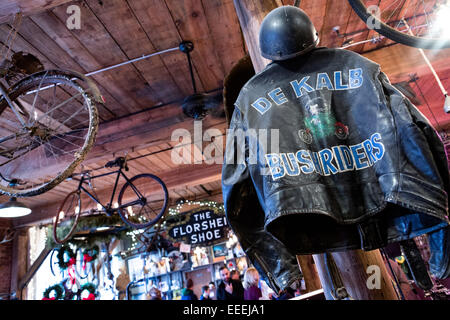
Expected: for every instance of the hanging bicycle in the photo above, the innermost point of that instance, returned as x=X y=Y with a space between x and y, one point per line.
x=141 y=202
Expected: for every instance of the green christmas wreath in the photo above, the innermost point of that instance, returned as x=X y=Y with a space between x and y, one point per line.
x=90 y=254
x=57 y=289
x=63 y=253
x=87 y=225
x=91 y=288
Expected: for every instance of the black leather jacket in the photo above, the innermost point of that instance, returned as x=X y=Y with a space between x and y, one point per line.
x=324 y=154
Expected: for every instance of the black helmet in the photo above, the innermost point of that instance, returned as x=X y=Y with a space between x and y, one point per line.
x=285 y=33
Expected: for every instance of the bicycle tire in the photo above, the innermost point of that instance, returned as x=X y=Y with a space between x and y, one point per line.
x=56 y=237
x=417 y=42
x=91 y=96
x=162 y=210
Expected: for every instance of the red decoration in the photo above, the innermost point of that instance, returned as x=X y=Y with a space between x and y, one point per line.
x=91 y=296
x=72 y=275
x=86 y=258
x=52 y=298
x=72 y=261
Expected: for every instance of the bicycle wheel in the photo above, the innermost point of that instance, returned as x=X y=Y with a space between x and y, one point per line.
x=47 y=131
x=426 y=20
x=67 y=217
x=143 y=201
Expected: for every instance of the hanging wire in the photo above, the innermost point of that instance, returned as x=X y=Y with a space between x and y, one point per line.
x=438 y=125
x=399 y=289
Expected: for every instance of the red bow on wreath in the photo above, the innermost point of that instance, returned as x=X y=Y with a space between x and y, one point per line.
x=71 y=270
x=86 y=258
x=91 y=296
x=72 y=261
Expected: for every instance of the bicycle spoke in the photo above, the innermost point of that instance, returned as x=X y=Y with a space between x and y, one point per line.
x=59 y=106
x=59 y=137
x=36 y=96
x=73 y=115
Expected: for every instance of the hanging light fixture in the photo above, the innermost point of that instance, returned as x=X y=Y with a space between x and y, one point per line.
x=13 y=209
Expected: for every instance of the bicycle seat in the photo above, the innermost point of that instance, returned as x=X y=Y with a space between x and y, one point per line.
x=118 y=162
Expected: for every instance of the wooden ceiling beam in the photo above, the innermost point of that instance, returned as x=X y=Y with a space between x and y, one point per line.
x=28 y=7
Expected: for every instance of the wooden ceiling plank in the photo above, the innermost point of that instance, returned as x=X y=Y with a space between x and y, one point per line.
x=9 y=8
x=162 y=160
x=336 y=14
x=316 y=11
x=131 y=37
x=139 y=166
x=191 y=22
x=225 y=31
x=115 y=97
x=97 y=40
x=399 y=61
x=148 y=162
x=155 y=18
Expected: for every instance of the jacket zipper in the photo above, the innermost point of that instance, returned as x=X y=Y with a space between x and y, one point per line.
x=272 y=280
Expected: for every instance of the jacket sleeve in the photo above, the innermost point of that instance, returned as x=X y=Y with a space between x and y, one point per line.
x=434 y=141
x=246 y=217
x=439 y=241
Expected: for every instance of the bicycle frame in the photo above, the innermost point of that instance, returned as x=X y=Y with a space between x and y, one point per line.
x=4 y=94
x=108 y=209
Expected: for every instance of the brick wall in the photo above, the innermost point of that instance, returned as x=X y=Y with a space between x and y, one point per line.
x=5 y=260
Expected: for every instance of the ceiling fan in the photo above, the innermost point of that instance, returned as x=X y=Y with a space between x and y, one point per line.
x=199 y=105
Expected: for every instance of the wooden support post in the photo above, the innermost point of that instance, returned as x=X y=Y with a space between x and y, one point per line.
x=309 y=271
x=362 y=282
x=34 y=268
x=251 y=13
x=352 y=264
x=19 y=262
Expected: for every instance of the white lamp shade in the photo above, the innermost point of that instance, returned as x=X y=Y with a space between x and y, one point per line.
x=13 y=209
